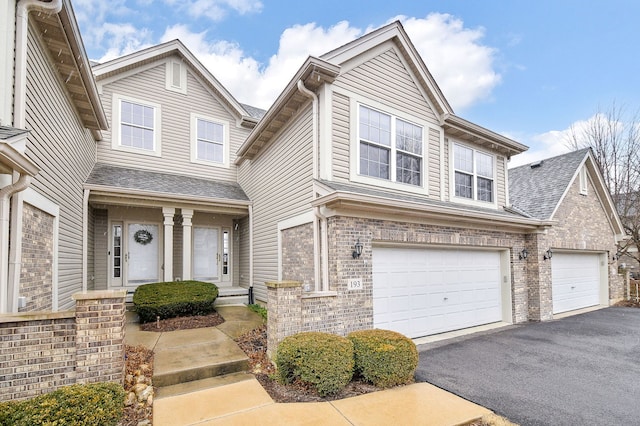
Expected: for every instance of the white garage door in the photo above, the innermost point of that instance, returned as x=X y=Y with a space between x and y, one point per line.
x=575 y=279
x=419 y=292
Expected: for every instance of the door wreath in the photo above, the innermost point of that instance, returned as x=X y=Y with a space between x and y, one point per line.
x=143 y=237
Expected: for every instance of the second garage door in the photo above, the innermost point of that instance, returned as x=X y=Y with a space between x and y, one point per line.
x=419 y=292
x=575 y=279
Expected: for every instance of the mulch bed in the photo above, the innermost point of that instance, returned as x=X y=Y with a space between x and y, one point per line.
x=629 y=303
x=254 y=344
x=184 y=323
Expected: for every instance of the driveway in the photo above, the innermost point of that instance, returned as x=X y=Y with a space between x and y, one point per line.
x=580 y=370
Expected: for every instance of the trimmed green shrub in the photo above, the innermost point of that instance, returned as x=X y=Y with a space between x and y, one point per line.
x=174 y=299
x=90 y=404
x=322 y=360
x=383 y=357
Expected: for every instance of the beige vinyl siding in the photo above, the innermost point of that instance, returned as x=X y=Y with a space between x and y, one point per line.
x=176 y=109
x=447 y=192
x=385 y=79
x=341 y=138
x=65 y=153
x=500 y=181
x=100 y=249
x=91 y=273
x=178 y=235
x=279 y=182
x=242 y=236
x=433 y=163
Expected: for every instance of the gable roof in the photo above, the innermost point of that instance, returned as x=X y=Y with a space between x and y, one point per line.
x=248 y=115
x=540 y=187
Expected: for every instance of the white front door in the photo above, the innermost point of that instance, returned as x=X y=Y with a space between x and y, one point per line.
x=575 y=279
x=206 y=254
x=142 y=255
x=418 y=292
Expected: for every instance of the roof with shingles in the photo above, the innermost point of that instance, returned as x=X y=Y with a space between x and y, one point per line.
x=163 y=183
x=254 y=112
x=537 y=188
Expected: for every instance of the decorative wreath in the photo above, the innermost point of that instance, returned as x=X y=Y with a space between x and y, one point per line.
x=143 y=237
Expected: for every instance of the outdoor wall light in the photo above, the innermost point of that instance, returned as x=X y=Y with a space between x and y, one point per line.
x=615 y=257
x=523 y=254
x=548 y=254
x=357 y=249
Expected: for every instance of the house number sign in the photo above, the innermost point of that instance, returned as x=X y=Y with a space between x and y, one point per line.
x=354 y=284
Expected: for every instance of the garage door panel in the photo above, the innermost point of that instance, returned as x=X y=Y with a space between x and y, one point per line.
x=443 y=289
x=575 y=281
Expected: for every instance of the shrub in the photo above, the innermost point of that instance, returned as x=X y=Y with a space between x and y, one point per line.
x=322 y=360
x=384 y=358
x=174 y=299
x=90 y=404
x=259 y=309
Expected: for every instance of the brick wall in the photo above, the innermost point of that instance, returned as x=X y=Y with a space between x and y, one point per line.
x=36 y=273
x=297 y=255
x=41 y=352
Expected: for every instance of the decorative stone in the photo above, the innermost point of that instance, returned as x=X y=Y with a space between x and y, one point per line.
x=130 y=399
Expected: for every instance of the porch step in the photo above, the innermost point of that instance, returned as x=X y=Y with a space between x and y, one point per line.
x=232 y=296
x=197 y=385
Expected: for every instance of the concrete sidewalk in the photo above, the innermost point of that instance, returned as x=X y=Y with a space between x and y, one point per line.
x=193 y=367
x=247 y=403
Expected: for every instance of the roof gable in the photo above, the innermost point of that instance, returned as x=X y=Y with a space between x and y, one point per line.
x=125 y=65
x=540 y=187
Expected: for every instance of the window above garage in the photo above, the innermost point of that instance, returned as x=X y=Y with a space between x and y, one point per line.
x=473 y=175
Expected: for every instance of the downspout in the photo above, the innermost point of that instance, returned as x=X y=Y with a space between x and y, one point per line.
x=85 y=238
x=251 y=297
x=320 y=242
x=5 y=196
x=22 y=31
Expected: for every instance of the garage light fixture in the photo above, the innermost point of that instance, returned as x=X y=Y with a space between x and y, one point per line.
x=615 y=256
x=357 y=249
x=548 y=254
x=523 y=254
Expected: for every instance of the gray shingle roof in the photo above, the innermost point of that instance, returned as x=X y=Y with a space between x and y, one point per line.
x=537 y=191
x=162 y=183
x=336 y=186
x=254 y=112
x=7 y=132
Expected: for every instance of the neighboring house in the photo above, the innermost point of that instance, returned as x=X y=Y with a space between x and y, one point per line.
x=358 y=200
x=164 y=200
x=51 y=118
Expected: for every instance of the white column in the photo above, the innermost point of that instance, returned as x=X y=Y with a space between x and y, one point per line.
x=186 y=243
x=168 y=213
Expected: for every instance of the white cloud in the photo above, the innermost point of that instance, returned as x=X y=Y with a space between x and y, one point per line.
x=121 y=39
x=460 y=64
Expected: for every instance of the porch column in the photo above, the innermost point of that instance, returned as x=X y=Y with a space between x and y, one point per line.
x=168 y=213
x=187 y=214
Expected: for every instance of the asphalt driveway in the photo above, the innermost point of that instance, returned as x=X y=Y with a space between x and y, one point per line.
x=580 y=370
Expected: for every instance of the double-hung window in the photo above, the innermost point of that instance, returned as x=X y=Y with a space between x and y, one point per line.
x=136 y=126
x=389 y=148
x=474 y=174
x=209 y=140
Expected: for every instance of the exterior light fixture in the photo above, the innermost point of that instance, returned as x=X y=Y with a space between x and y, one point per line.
x=548 y=254
x=523 y=254
x=357 y=249
x=616 y=256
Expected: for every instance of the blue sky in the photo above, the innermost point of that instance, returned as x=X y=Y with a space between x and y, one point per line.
x=526 y=69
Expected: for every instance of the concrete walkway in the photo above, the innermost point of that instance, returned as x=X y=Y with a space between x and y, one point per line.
x=199 y=386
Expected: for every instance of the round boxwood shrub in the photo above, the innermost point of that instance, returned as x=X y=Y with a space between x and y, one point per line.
x=383 y=357
x=87 y=404
x=174 y=299
x=322 y=360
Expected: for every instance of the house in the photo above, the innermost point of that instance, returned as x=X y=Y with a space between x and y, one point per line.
x=358 y=200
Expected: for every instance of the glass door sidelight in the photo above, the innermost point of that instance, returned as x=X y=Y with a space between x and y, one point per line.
x=116 y=255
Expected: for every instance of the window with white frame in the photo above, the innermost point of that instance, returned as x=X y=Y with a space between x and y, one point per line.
x=389 y=148
x=209 y=140
x=473 y=174
x=137 y=126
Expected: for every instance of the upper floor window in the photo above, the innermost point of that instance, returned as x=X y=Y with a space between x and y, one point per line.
x=209 y=140
x=474 y=174
x=389 y=148
x=138 y=126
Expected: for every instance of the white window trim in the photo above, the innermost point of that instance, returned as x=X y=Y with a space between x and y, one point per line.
x=452 y=179
x=354 y=169
x=194 y=141
x=169 y=77
x=116 y=133
x=583 y=180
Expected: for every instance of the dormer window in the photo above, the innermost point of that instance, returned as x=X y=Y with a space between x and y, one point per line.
x=473 y=174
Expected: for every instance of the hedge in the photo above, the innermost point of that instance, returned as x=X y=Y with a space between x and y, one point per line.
x=174 y=299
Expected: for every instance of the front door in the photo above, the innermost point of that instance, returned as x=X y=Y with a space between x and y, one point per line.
x=142 y=256
x=206 y=254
